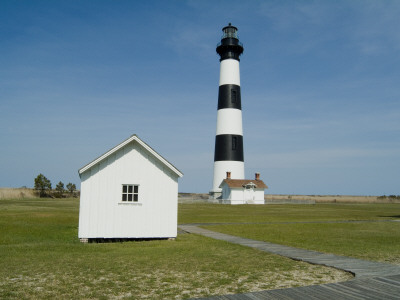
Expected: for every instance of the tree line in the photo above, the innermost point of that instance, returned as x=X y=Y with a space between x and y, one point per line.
x=43 y=187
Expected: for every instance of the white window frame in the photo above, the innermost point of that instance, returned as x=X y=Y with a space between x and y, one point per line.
x=126 y=191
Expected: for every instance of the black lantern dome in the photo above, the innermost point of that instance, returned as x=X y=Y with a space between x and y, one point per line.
x=229 y=47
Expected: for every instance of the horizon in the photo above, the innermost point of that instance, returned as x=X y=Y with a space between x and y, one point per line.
x=319 y=85
x=266 y=194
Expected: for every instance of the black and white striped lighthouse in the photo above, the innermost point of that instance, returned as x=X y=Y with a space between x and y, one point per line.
x=228 y=155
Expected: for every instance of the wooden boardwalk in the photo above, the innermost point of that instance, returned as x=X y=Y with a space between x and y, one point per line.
x=373 y=280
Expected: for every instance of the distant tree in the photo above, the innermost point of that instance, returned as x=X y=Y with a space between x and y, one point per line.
x=42 y=185
x=71 y=187
x=60 y=189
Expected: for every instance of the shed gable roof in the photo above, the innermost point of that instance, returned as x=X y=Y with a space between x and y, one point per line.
x=134 y=137
x=240 y=183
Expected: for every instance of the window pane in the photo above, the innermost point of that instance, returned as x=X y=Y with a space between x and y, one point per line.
x=136 y=190
x=129 y=189
x=135 y=197
x=124 y=188
x=123 y=197
x=129 y=197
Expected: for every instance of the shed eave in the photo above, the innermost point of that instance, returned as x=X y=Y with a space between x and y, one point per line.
x=123 y=144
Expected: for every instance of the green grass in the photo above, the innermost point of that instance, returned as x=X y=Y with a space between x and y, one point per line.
x=374 y=241
x=211 y=213
x=371 y=241
x=41 y=257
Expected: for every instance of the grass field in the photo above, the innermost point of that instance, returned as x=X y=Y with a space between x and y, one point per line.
x=209 y=213
x=377 y=240
x=41 y=257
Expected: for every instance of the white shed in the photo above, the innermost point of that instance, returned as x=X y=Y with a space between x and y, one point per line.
x=242 y=191
x=129 y=192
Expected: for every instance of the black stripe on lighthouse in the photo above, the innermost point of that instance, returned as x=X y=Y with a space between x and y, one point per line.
x=228 y=147
x=229 y=96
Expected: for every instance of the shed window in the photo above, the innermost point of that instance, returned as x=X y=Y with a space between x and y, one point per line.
x=130 y=193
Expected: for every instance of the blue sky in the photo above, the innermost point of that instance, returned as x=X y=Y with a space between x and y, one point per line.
x=320 y=87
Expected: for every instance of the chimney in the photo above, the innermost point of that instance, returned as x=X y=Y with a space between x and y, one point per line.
x=228 y=175
x=257 y=176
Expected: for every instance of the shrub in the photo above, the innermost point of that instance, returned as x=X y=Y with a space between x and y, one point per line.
x=71 y=187
x=59 y=190
x=42 y=185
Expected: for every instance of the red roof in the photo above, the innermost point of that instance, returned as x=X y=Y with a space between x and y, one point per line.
x=240 y=183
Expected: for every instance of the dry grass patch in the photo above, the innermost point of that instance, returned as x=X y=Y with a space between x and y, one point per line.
x=16 y=193
x=192 y=277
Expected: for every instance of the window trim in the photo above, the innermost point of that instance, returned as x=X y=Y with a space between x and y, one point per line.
x=129 y=190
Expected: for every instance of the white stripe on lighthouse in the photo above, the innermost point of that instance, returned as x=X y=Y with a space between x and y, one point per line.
x=229 y=72
x=229 y=121
x=221 y=167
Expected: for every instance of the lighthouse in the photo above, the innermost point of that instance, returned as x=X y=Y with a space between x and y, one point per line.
x=228 y=155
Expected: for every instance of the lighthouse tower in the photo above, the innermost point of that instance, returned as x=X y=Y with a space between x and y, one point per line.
x=228 y=155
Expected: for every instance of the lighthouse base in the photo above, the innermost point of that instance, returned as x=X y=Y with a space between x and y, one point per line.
x=214 y=196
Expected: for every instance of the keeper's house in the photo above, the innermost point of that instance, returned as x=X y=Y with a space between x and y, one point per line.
x=242 y=191
x=129 y=192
